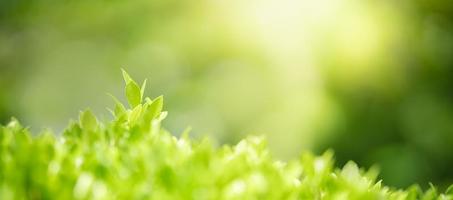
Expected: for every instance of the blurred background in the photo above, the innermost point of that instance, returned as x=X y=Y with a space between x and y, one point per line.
x=371 y=79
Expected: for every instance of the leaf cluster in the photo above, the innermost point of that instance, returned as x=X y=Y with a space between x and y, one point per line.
x=132 y=157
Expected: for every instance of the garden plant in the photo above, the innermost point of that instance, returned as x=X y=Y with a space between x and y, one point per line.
x=133 y=157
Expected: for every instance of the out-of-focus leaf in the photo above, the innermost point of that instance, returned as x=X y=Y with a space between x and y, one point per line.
x=88 y=120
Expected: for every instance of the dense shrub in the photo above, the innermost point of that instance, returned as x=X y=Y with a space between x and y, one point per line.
x=132 y=157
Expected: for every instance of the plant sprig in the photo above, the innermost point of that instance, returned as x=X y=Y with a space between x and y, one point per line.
x=132 y=157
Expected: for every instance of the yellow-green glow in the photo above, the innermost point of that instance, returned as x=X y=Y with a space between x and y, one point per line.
x=291 y=34
x=358 y=38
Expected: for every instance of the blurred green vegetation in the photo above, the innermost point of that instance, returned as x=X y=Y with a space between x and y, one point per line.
x=372 y=80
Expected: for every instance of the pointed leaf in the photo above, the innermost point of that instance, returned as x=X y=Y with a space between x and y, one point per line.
x=351 y=172
x=88 y=120
x=163 y=115
x=449 y=190
x=142 y=90
x=155 y=108
x=119 y=107
x=186 y=132
x=148 y=100
x=126 y=77
x=133 y=94
x=135 y=115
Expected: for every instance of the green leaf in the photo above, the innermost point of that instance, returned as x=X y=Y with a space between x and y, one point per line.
x=119 y=107
x=351 y=172
x=186 y=132
x=449 y=190
x=155 y=108
x=14 y=125
x=88 y=121
x=148 y=100
x=142 y=90
x=135 y=115
x=163 y=115
x=126 y=77
x=133 y=94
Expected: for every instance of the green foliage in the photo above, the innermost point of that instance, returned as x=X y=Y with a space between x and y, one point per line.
x=132 y=157
x=134 y=93
x=88 y=121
